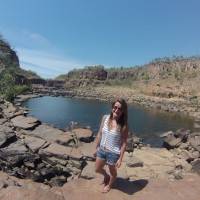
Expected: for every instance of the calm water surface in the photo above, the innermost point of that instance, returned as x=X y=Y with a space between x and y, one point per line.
x=145 y=123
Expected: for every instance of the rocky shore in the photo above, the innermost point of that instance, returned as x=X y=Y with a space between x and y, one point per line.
x=38 y=157
x=108 y=94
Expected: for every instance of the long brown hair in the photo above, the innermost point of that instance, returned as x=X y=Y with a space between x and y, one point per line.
x=122 y=122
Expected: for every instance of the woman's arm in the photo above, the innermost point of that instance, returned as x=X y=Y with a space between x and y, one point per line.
x=98 y=138
x=124 y=136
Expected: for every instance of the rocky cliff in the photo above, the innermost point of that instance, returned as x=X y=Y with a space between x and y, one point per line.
x=10 y=61
x=8 y=56
x=175 y=77
x=154 y=70
x=13 y=79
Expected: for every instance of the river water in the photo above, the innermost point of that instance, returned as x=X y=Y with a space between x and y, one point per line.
x=145 y=123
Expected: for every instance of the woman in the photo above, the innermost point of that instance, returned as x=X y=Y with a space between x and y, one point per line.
x=111 y=143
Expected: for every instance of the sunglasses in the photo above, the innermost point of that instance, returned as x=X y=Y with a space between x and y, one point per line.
x=117 y=108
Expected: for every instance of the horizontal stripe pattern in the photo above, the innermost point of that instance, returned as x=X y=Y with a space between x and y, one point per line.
x=111 y=139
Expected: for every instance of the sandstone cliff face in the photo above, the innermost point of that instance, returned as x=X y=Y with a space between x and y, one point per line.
x=89 y=73
x=151 y=71
x=156 y=70
x=85 y=77
x=171 y=68
x=165 y=78
x=174 y=79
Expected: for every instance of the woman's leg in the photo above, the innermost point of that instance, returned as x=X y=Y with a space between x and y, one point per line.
x=113 y=175
x=99 y=168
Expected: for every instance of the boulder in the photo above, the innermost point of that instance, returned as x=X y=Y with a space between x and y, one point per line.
x=188 y=156
x=129 y=144
x=195 y=142
x=6 y=136
x=83 y=135
x=133 y=142
x=196 y=166
x=58 y=181
x=174 y=140
x=66 y=139
x=171 y=142
x=166 y=134
x=14 y=154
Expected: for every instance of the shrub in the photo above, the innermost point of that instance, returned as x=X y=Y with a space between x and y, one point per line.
x=15 y=90
x=8 y=88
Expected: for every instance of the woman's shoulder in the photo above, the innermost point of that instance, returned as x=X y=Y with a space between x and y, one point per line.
x=105 y=117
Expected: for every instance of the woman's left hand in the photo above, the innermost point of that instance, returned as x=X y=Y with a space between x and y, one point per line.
x=118 y=163
x=95 y=153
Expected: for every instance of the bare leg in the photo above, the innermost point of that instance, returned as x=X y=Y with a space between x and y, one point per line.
x=99 y=168
x=113 y=175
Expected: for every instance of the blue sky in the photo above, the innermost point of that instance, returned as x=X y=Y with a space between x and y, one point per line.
x=52 y=37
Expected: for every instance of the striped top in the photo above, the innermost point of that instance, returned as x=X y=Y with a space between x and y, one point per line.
x=110 y=139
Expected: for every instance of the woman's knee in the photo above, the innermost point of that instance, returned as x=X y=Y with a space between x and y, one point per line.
x=113 y=171
x=98 y=170
x=113 y=174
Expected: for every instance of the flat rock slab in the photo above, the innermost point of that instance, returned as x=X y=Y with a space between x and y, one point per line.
x=19 y=193
x=83 y=134
x=154 y=156
x=25 y=122
x=153 y=189
x=34 y=143
x=47 y=133
x=87 y=150
x=152 y=162
x=61 y=151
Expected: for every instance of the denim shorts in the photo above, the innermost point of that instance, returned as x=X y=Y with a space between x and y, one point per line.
x=110 y=157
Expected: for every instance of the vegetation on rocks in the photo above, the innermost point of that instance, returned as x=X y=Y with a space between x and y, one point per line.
x=9 y=86
x=8 y=56
x=13 y=79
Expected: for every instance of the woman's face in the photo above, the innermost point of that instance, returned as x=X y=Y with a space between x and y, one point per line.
x=117 y=110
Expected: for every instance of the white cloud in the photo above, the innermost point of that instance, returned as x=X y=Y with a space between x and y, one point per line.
x=46 y=64
x=38 y=54
x=35 y=37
